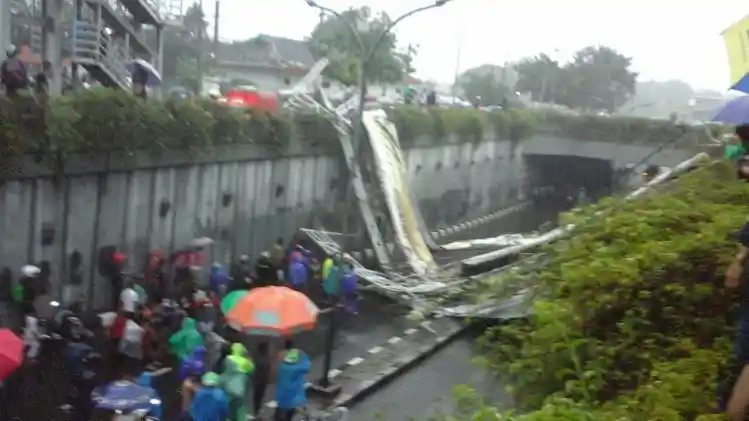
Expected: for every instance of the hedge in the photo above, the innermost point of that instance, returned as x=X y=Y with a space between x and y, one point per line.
x=102 y=119
x=632 y=321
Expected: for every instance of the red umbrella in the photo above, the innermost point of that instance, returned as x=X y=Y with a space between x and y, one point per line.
x=11 y=353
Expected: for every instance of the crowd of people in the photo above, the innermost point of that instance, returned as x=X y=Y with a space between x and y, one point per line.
x=169 y=319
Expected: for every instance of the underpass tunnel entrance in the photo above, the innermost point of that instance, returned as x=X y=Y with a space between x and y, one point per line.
x=571 y=178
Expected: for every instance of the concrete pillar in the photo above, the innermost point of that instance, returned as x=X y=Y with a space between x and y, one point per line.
x=5 y=25
x=160 y=57
x=52 y=42
x=160 y=49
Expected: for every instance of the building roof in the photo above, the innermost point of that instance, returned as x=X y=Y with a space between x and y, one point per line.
x=268 y=50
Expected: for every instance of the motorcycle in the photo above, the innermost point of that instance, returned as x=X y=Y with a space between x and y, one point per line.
x=141 y=414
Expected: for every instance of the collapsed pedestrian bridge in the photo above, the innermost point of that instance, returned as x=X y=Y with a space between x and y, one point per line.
x=406 y=257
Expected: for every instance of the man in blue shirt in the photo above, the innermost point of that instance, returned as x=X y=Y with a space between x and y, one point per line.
x=735 y=278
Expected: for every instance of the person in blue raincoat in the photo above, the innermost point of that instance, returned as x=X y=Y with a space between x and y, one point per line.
x=154 y=408
x=290 y=378
x=219 y=279
x=349 y=281
x=298 y=272
x=194 y=364
x=210 y=403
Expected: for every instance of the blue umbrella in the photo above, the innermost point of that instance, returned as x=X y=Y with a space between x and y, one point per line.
x=735 y=112
x=742 y=85
x=122 y=396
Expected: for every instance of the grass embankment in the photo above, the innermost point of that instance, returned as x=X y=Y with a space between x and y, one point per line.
x=634 y=322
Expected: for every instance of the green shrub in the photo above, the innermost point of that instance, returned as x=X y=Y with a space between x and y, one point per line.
x=622 y=129
x=102 y=119
x=632 y=319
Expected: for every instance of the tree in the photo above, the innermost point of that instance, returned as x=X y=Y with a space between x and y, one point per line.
x=657 y=99
x=540 y=76
x=597 y=79
x=484 y=85
x=182 y=45
x=332 y=38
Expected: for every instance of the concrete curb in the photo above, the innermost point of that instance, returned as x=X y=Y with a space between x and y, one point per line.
x=353 y=362
x=369 y=387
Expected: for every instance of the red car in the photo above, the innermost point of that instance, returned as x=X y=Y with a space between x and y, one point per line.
x=249 y=96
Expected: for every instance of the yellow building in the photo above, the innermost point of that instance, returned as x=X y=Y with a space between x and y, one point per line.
x=736 y=38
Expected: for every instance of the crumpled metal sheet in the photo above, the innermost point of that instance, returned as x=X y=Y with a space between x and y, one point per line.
x=389 y=161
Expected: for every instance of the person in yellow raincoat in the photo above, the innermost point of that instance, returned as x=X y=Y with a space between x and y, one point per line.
x=234 y=379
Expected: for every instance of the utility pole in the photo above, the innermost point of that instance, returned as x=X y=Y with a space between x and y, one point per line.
x=215 y=29
x=5 y=10
x=199 y=60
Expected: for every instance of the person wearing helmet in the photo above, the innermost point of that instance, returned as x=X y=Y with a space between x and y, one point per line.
x=210 y=402
x=28 y=288
x=13 y=72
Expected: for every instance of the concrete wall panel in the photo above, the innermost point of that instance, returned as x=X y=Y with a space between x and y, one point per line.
x=245 y=208
x=17 y=219
x=80 y=242
x=245 y=201
x=263 y=231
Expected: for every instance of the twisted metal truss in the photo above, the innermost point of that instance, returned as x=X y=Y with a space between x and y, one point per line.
x=307 y=96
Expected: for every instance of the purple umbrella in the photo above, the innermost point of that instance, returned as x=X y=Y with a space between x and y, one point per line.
x=734 y=112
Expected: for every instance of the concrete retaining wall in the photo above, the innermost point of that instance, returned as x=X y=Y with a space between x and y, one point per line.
x=244 y=198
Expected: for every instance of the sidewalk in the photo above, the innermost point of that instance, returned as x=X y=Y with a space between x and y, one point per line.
x=363 y=375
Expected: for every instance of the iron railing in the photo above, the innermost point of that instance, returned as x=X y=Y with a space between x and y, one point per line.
x=92 y=45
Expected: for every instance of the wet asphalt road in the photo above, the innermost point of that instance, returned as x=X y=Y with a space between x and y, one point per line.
x=427 y=390
x=429 y=386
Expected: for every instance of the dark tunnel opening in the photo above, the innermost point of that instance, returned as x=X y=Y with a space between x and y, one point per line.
x=568 y=174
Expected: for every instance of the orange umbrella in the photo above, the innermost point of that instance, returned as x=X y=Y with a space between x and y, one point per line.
x=273 y=311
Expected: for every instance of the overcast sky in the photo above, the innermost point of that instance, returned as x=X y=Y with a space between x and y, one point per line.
x=668 y=39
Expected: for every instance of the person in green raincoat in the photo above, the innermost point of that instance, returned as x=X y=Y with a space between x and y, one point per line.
x=735 y=146
x=234 y=379
x=332 y=277
x=327 y=264
x=184 y=341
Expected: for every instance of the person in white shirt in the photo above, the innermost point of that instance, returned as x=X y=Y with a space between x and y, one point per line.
x=131 y=344
x=129 y=299
x=31 y=336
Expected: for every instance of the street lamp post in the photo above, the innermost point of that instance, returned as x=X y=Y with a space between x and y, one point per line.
x=325 y=386
x=366 y=58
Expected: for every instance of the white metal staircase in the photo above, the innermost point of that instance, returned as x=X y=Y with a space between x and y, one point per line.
x=144 y=11
x=123 y=23
x=171 y=11
x=109 y=37
x=100 y=55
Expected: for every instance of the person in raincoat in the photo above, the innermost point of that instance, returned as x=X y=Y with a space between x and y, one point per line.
x=210 y=403
x=145 y=380
x=184 y=341
x=214 y=345
x=234 y=378
x=32 y=336
x=79 y=356
x=261 y=377
x=349 y=281
x=290 y=378
x=267 y=274
x=331 y=273
x=298 y=272
x=219 y=280
x=194 y=364
x=327 y=265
